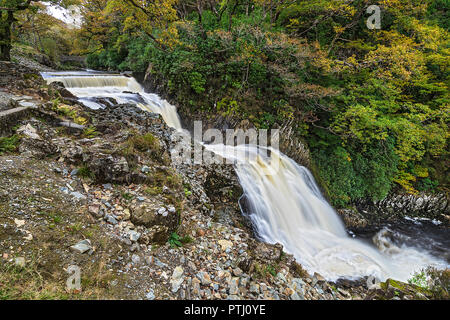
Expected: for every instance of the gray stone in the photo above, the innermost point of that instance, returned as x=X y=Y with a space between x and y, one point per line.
x=134 y=235
x=107 y=186
x=20 y=262
x=234 y=286
x=150 y=295
x=78 y=195
x=254 y=288
x=110 y=219
x=172 y=209
x=177 y=279
x=204 y=278
x=237 y=272
x=135 y=259
x=82 y=246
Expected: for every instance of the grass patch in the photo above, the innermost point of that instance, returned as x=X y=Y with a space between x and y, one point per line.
x=69 y=112
x=298 y=270
x=85 y=172
x=153 y=191
x=17 y=283
x=263 y=271
x=90 y=132
x=127 y=196
x=146 y=143
x=9 y=144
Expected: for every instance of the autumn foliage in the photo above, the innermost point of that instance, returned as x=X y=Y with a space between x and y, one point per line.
x=373 y=105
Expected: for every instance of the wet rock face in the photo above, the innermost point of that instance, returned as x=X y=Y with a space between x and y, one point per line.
x=353 y=218
x=291 y=145
x=396 y=206
x=222 y=185
x=59 y=86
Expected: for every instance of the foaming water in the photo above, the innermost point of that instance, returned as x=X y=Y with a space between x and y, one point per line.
x=284 y=203
x=286 y=206
x=88 y=86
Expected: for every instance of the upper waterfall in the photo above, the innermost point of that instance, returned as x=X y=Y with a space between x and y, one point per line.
x=90 y=85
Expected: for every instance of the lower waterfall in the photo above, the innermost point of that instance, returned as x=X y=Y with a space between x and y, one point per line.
x=285 y=204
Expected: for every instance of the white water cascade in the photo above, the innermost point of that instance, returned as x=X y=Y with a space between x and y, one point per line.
x=88 y=86
x=285 y=204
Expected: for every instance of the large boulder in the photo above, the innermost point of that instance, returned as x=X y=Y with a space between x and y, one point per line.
x=108 y=168
x=33 y=145
x=159 y=220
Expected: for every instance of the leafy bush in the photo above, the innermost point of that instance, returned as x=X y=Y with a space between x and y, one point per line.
x=353 y=173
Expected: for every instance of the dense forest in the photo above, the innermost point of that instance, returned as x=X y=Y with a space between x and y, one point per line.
x=372 y=104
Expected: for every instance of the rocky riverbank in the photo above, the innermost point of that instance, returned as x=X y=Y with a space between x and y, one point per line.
x=97 y=189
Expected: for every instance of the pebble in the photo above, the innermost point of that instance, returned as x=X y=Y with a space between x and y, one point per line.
x=111 y=219
x=135 y=259
x=150 y=295
x=177 y=279
x=134 y=235
x=234 y=286
x=254 y=288
x=82 y=246
x=225 y=244
x=204 y=278
x=237 y=272
x=20 y=262
x=78 y=195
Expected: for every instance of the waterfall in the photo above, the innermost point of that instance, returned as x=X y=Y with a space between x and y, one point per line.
x=285 y=204
x=89 y=86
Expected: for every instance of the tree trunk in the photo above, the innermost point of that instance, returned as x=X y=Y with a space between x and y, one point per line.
x=5 y=47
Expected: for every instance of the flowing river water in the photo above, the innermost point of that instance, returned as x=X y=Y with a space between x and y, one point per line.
x=284 y=203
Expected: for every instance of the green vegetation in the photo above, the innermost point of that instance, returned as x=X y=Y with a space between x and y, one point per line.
x=127 y=196
x=9 y=144
x=435 y=282
x=26 y=29
x=90 y=132
x=264 y=271
x=69 y=111
x=85 y=172
x=142 y=143
x=175 y=240
x=419 y=279
x=27 y=283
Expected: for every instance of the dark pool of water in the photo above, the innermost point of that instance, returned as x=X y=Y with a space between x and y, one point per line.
x=421 y=234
